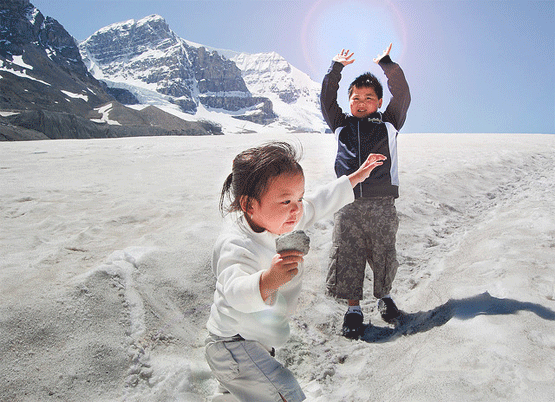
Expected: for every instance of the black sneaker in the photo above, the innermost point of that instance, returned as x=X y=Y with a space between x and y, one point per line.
x=388 y=310
x=353 y=326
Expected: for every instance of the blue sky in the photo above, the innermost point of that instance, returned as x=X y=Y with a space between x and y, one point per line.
x=473 y=65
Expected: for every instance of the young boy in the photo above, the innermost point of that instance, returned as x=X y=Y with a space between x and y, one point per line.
x=365 y=231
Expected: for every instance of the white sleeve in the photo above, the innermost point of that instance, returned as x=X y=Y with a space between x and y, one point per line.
x=238 y=277
x=326 y=200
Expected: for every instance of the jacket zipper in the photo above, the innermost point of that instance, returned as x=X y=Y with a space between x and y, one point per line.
x=359 y=153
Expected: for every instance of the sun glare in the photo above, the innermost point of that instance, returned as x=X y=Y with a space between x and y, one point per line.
x=366 y=27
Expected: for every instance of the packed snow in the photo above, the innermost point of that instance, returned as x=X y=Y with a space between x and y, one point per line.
x=76 y=96
x=8 y=114
x=18 y=61
x=105 y=112
x=105 y=282
x=19 y=68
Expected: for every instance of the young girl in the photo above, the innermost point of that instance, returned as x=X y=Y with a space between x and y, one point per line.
x=257 y=289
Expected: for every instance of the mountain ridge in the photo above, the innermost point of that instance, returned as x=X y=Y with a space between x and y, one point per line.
x=264 y=85
x=46 y=76
x=47 y=92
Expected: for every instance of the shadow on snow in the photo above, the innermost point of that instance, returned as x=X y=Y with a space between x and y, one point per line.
x=463 y=309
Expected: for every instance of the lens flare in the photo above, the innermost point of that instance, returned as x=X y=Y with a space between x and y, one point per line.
x=366 y=27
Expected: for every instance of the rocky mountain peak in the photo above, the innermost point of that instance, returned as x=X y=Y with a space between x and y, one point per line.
x=19 y=23
x=147 y=55
x=43 y=68
x=46 y=91
x=130 y=38
x=39 y=60
x=22 y=25
x=294 y=95
x=270 y=62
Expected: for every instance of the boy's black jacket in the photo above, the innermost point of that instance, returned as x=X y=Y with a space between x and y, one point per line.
x=358 y=138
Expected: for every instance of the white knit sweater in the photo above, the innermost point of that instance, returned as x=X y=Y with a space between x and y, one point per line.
x=241 y=256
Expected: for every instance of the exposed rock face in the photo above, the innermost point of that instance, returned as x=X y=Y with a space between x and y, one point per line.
x=151 y=121
x=46 y=91
x=39 y=60
x=146 y=54
x=123 y=96
x=23 y=25
x=218 y=75
x=42 y=68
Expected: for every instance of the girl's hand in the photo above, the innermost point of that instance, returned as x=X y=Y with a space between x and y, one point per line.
x=284 y=267
x=344 y=57
x=373 y=161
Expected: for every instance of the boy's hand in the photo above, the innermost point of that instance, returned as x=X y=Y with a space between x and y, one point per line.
x=385 y=53
x=373 y=161
x=344 y=57
x=284 y=268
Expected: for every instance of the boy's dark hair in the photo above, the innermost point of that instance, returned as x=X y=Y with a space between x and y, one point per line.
x=254 y=169
x=367 y=80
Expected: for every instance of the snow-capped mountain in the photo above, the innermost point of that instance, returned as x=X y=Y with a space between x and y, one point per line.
x=46 y=91
x=293 y=93
x=139 y=78
x=147 y=59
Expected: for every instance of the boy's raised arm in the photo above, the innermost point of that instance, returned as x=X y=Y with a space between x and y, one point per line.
x=396 y=111
x=385 y=53
x=331 y=111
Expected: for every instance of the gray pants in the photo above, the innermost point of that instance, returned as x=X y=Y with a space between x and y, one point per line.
x=365 y=231
x=248 y=371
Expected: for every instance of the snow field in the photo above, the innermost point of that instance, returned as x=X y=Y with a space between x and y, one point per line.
x=105 y=282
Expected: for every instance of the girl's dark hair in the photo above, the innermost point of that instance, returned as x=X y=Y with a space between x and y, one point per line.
x=254 y=169
x=367 y=80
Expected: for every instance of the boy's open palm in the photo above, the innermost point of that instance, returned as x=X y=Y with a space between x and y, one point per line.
x=344 y=57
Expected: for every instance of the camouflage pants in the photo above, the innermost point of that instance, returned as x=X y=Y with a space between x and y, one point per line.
x=365 y=231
